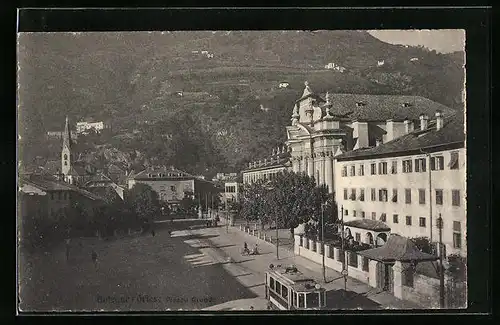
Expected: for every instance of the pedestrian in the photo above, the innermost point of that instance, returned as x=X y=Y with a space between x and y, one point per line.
x=94 y=258
x=153 y=232
x=67 y=249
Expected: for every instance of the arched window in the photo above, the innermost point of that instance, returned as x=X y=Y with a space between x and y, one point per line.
x=65 y=157
x=65 y=163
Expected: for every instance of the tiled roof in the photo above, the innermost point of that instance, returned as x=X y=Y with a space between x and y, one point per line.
x=48 y=183
x=451 y=132
x=367 y=224
x=161 y=170
x=383 y=107
x=397 y=248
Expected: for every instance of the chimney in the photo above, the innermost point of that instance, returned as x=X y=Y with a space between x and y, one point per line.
x=378 y=142
x=424 y=119
x=439 y=120
x=408 y=126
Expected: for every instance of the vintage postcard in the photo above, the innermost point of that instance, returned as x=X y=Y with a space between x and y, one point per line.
x=241 y=170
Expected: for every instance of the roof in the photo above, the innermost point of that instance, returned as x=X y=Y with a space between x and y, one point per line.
x=397 y=248
x=384 y=107
x=99 y=178
x=48 y=183
x=452 y=132
x=367 y=224
x=166 y=172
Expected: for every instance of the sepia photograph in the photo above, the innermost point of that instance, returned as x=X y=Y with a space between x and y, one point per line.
x=270 y=170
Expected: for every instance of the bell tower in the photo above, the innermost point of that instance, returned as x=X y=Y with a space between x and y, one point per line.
x=66 y=155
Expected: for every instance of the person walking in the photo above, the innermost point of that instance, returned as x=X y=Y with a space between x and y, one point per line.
x=67 y=249
x=94 y=258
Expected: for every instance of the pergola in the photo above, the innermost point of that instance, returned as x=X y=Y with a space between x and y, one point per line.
x=372 y=232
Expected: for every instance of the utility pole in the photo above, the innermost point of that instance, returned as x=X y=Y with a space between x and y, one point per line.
x=441 y=272
x=227 y=215
x=277 y=238
x=323 y=239
x=344 y=268
x=430 y=193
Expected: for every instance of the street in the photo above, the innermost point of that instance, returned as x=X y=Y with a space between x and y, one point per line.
x=194 y=268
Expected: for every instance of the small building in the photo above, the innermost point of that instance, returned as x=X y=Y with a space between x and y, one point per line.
x=231 y=191
x=413 y=59
x=86 y=127
x=284 y=84
x=380 y=63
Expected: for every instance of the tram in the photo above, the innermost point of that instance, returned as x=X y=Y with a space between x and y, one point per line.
x=288 y=289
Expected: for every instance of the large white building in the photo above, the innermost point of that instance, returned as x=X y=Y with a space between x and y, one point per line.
x=323 y=127
x=404 y=185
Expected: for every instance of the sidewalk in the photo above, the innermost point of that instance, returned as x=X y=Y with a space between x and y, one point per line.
x=371 y=298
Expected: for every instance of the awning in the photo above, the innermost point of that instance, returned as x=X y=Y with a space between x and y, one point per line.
x=397 y=248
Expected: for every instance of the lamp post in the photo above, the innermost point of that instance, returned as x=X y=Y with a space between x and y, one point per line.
x=441 y=269
x=344 y=268
x=323 y=239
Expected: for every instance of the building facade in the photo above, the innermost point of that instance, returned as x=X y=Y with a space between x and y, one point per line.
x=172 y=184
x=231 y=191
x=408 y=183
x=266 y=169
x=322 y=129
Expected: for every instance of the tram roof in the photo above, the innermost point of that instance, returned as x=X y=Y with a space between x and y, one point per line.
x=291 y=278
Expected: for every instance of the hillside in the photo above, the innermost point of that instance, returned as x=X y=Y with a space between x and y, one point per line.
x=132 y=78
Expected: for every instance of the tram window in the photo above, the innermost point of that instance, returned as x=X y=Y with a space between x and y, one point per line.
x=271 y=283
x=278 y=287
x=284 y=292
x=312 y=299
x=301 y=300
x=294 y=299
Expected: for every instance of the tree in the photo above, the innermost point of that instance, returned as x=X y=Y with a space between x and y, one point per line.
x=292 y=199
x=188 y=204
x=254 y=204
x=143 y=202
x=423 y=244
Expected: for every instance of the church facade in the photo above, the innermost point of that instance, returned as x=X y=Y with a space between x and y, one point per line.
x=325 y=126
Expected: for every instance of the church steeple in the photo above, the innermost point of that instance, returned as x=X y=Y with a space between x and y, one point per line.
x=66 y=156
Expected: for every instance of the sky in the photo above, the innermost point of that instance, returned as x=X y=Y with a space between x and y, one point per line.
x=441 y=40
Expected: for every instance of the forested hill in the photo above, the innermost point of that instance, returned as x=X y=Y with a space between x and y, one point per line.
x=232 y=99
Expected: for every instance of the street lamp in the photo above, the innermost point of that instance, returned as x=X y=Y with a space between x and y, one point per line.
x=344 y=268
x=441 y=269
x=323 y=239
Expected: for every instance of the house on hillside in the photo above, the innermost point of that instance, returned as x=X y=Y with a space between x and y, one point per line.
x=284 y=84
x=380 y=63
x=413 y=59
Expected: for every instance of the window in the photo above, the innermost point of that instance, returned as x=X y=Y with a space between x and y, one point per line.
x=344 y=171
x=408 y=220
x=374 y=215
x=278 y=288
x=407 y=166
x=363 y=214
x=457 y=234
x=284 y=292
x=383 y=217
x=352 y=171
x=455 y=198
x=439 y=197
x=353 y=194
x=353 y=259
x=421 y=196
x=361 y=170
x=362 y=194
x=421 y=222
x=373 y=169
x=453 y=160
x=395 y=195
x=358 y=237
x=65 y=163
x=301 y=300
x=59 y=196
x=374 y=196
x=382 y=195
x=394 y=167
x=382 y=168
x=345 y=194
x=346 y=212
x=366 y=263
x=408 y=196
x=437 y=163
x=395 y=218
x=312 y=299
x=354 y=213
x=420 y=165
x=172 y=188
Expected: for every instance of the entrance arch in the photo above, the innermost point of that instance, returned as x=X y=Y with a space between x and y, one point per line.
x=381 y=239
x=369 y=238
